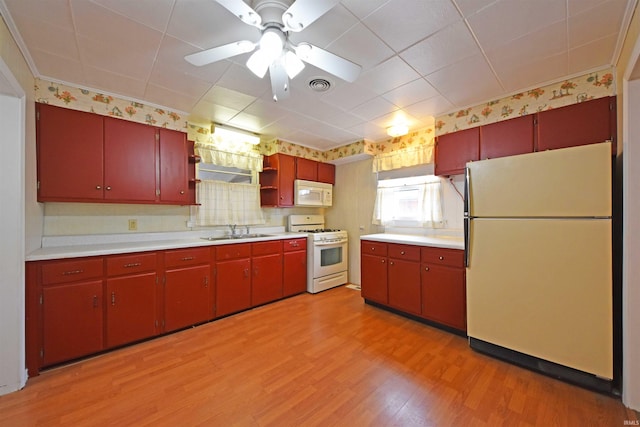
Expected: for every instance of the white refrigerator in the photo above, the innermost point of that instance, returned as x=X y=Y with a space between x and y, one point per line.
x=539 y=261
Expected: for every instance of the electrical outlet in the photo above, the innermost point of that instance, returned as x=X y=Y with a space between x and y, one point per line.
x=133 y=224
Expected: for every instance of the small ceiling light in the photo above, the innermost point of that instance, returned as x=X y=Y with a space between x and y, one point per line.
x=397 y=130
x=292 y=64
x=234 y=136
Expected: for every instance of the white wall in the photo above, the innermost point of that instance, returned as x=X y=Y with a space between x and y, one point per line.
x=12 y=299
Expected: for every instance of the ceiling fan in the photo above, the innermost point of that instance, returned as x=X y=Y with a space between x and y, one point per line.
x=283 y=59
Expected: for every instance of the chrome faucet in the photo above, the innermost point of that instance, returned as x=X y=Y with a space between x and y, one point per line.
x=247 y=227
x=233 y=229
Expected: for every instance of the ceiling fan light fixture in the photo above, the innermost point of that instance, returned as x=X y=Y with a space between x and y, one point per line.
x=259 y=63
x=292 y=64
x=397 y=130
x=303 y=50
x=272 y=43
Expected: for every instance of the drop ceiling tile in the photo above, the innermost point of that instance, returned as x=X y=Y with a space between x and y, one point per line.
x=174 y=100
x=206 y=24
x=214 y=112
x=56 y=12
x=135 y=63
x=347 y=96
x=578 y=6
x=241 y=79
x=410 y=93
x=152 y=13
x=99 y=24
x=429 y=108
x=117 y=84
x=374 y=108
x=469 y=7
x=179 y=82
x=268 y=111
x=506 y=20
x=369 y=131
x=592 y=55
x=389 y=75
x=59 y=68
x=582 y=29
x=249 y=122
x=470 y=80
x=517 y=76
x=229 y=98
x=401 y=23
x=446 y=47
x=362 y=8
x=361 y=46
x=48 y=36
x=532 y=47
x=327 y=28
x=311 y=141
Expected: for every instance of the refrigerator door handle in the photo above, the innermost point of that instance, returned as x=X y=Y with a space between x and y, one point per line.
x=467 y=223
x=467 y=178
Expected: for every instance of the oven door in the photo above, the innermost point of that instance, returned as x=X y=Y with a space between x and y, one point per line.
x=329 y=258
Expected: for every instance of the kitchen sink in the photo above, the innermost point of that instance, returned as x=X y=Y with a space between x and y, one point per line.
x=236 y=237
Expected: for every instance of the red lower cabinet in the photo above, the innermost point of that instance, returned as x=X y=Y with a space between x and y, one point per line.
x=266 y=284
x=186 y=297
x=72 y=321
x=404 y=285
x=131 y=308
x=443 y=295
x=294 y=267
x=233 y=286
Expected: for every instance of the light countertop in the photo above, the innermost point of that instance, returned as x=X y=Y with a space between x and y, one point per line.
x=94 y=247
x=450 y=242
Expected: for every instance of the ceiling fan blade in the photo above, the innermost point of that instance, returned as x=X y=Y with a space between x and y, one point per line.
x=328 y=61
x=303 y=12
x=242 y=11
x=219 y=53
x=279 y=80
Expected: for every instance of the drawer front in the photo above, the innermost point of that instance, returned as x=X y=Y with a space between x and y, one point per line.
x=373 y=248
x=443 y=256
x=131 y=264
x=408 y=252
x=182 y=257
x=290 y=245
x=72 y=270
x=266 y=248
x=238 y=250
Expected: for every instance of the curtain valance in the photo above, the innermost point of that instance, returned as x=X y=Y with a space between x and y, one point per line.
x=421 y=154
x=209 y=154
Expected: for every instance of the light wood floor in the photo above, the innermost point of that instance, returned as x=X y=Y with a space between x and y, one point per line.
x=311 y=360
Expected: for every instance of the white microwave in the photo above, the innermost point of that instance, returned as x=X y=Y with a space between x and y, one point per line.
x=310 y=193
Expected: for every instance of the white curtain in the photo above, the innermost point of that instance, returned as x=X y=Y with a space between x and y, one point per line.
x=248 y=160
x=411 y=203
x=412 y=156
x=222 y=203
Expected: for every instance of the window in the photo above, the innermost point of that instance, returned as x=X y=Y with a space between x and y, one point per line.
x=409 y=202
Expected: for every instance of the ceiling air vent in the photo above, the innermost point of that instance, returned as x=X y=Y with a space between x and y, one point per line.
x=319 y=84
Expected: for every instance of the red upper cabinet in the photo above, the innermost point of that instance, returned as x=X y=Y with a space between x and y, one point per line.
x=70 y=150
x=454 y=150
x=276 y=180
x=507 y=138
x=129 y=158
x=306 y=169
x=174 y=177
x=327 y=173
x=584 y=123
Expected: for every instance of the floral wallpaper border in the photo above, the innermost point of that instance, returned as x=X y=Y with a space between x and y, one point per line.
x=589 y=86
x=571 y=91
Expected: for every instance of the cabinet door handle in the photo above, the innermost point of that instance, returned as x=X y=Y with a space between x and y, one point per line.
x=441 y=258
x=187 y=258
x=95 y=301
x=206 y=281
x=133 y=264
x=373 y=249
x=108 y=187
x=98 y=187
x=113 y=298
x=426 y=269
x=401 y=252
x=390 y=262
x=68 y=273
x=181 y=191
x=383 y=261
x=246 y=272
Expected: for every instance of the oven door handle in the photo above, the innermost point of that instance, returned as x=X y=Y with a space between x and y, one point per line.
x=331 y=243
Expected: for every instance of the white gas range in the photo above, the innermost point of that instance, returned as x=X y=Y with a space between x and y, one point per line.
x=327 y=252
